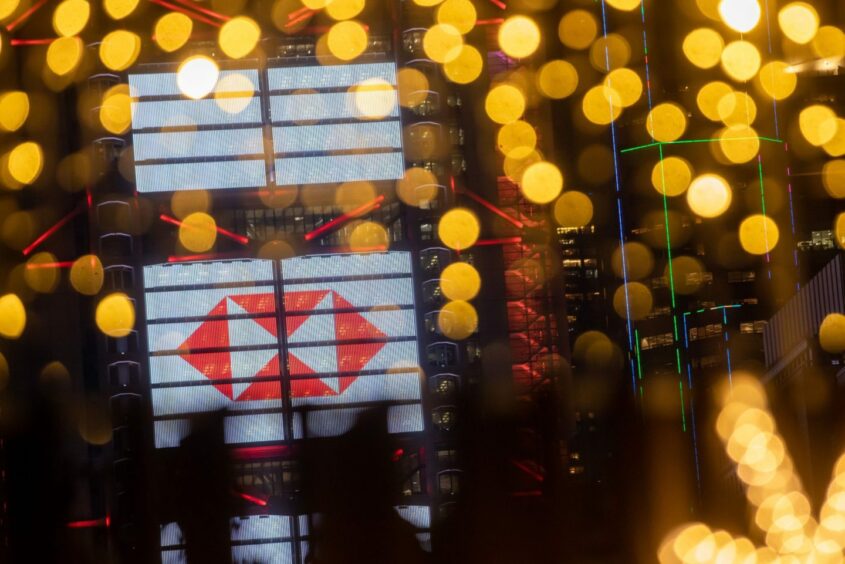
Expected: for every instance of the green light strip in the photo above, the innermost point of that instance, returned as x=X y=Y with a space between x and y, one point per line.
x=639 y=364
x=688 y=141
x=666 y=225
x=678 y=358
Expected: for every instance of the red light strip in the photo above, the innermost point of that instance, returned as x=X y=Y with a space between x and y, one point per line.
x=187 y=12
x=360 y=210
x=498 y=211
x=498 y=4
x=253 y=499
x=492 y=21
x=89 y=523
x=502 y=241
x=252 y=453
x=205 y=256
x=55 y=227
x=23 y=17
x=533 y=473
x=233 y=236
x=205 y=11
x=62 y=264
x=24 y=42
x=300 y=18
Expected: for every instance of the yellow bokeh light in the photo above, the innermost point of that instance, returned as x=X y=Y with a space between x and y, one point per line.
x=557 y=79
x=115 y=315
x=460 y=281
x=14 y=109
x=197 y=76
x=541 y=182
x=458 y=229
x=354 y=194
x=836 y=146
x=185 y=202
x=418 y=187
x=577 y=29
x=375 y=98
x=239 y=36
x=709 y=195
x=347 y=40
x=739 y=143
x=413 y=87
x=741 y=60
x=115 y=111
x=686 y=274
x=832 y=333
x=601 y=105
x=627 y=84
x=573 y=209
x=758 y=234
x=626 y=5
x=70 y=17
x=639 y=261
x=514 y=168
x=427 y=3
x=8 y=7
x=119 y=9
x=633 y=301
x=460 y=14
x=119 y=49
x=172 y=31
x=198 y=232
x=12 y=316
x=776 y=80
x=466 y=67
x=666 y=122
x=234 y=92
x=799 y=21
x=833 y=178
x=504 y=103
x=671 y=176
x=344 y=9
x=610 y=52
x=818 y=124
x=442 y=43
x=64 y=55
x=87 y=275
x=368 y=236
x=829 y=42
x=517 y=139
x=703 y=47
x=41 y=273
x=740 y=15
x=709 y=96
x=457 y=320
x=25 y=162
x=737 y=108
x=519 y=36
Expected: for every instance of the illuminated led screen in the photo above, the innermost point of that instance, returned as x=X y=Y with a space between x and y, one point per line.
x=346 y=336
x=323 y=124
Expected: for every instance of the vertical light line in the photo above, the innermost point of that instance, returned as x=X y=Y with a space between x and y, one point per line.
x=683 y=410
x=694 y=438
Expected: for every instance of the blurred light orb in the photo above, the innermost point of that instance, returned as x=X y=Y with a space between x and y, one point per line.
x=739 y=143
x=833 y=178
x=741 y=60
x=427 y=3
x=347 y=40
x=639 y=261
x=515 y=168
x=737 y=108
x=119 y=9
x=368 y=236
x=116 y=109
x=517 y=139
x=460 y=281
x=709 y=195
x=504 y=104
x=459 y=229
x=239 y=36
x=8 y=7
x=666 y=122
x=609 y=52
x=776 y=80
x=703 y=47
x=685 y=274
x=457 y=320
x=818 y=124
x=836 y=146
x=413 y=87
x=466 y=67
x=233 y=92
x=541 y=182
x=557 y=79
x=829 y=43
x=601 y=105
x=375 y=98
x=115 y=315
x=197 y=76
x=758 y=234
x=64 y=55
x=740 y=15
x=627 y=84
x=344 y=9
x=172 y=31
x=832 y=333
x=573 y=209
x=799 y=21
x=198 y=232
x=276 y=250
x=577 y=29
x=354 y=194
x=14 y=109
x=519 y=36
x=442 y=43
x=12 y=316
x=633 y=301
x=460 y=14
x=418 y=187
x=839 y=230
x=41 y=273
x=185 y=202
x=70 y=17
x=87 y=275
x=119 y=49
x=709 y=96
x=625 y=5
x=25 y=162
x=671 y=176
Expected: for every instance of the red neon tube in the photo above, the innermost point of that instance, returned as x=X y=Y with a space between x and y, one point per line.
x=502 y=241
x=234 y=236
x=61 y=264
x=25 y=16
x=52 y=229
x=205 y=11
x=360 y=210
x=498 y=211
x=187 y=12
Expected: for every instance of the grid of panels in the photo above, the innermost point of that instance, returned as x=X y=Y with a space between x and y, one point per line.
x=346 y=337
x=326 y=124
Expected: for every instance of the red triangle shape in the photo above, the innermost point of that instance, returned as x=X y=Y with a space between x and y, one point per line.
x=270 y=389
x=353 y=358
x=256 y=303
x=352 y=326
x=304 y=302
x=297 y=367
x=214 y=366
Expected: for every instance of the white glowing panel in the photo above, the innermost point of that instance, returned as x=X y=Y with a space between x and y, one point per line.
x=325 y=124
x=347 y=337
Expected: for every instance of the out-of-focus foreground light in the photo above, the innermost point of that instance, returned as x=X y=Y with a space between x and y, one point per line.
x=239 y=36
x=740 y=15
x=709 y=195
x=197 y=76
x=557 y=79
x=671 y=176
x=799 y=21
x=12 y=316
x=517 y=139
x=460 y=281
x=627 y=84
x=14 y=109
x=115 y=111
x=666 y=122
x=458 y=229
x=776 y=80
x=172 y=31
x=375 y=98
x=457 y=320
x=87 y=275
x=577 y=29
x=198 y=232
x=703 y=47
x=64 y=55
x=818 y=124
x=25 y=162
x=519 y=36
x=346 y=40
x=541 y=182
x=458 y=13
x=119 y=9
x=115 y=315
x=464 y=68
x=758 y=234
x=504 y=104
x=70 y=17
x=832 y=336
x=442 y=43
x=119 y=49
x=741 y=60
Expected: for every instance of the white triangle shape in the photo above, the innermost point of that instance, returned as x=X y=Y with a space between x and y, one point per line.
x=332 y=383
x=245 y=332
x=245 y=364
x=315 y=329
x=321 y=360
